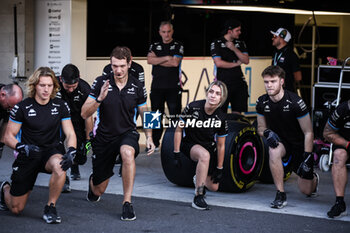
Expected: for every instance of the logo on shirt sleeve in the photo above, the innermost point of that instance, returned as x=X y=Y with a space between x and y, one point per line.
x=152 y=120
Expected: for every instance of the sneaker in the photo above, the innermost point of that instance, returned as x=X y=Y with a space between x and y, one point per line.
x=90 y=196
x=315 y=192
x=338 y=210
x=156 y=149
x=195 y=191
x=50 y=214
x=128 y=212
x=66 y=187
x=3 y=205
x=280 y=200
x=199 y=203
x=74 y=172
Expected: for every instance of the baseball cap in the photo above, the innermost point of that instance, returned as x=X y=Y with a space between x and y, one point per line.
x=283 y=33
x=70 y=74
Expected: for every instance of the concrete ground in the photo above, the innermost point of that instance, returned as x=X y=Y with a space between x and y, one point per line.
x=151 y=183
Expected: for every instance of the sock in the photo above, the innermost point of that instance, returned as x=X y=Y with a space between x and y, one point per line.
x=339 y=199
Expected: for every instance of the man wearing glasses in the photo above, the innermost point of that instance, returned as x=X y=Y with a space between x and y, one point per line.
x=285 y=57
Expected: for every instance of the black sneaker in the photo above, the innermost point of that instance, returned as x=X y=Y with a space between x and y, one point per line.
x=280 y=200
x=315 y=192
x=128 y=212
x=74 y=172
x=199 y=203
x=66 y=187
x=3 y=205
x=338 y=210
x=50 y=214
x=90 y=196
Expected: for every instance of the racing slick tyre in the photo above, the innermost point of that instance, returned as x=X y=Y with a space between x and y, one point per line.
x=244 y=157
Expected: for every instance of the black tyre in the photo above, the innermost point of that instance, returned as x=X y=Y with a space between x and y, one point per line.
x=244 y=157
x=182 y=176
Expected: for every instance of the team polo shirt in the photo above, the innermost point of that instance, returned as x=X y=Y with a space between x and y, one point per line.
x=166 y=77
x=340 y=120
x=206 y=127
x=4 y=114
x=218 y=49
x=289 y=62
x=117 y=112
x=135 y=70
x=282 y=116
x=41 y=124
x=75 y=101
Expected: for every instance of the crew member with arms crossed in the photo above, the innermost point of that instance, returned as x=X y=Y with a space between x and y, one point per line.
x=165 y=57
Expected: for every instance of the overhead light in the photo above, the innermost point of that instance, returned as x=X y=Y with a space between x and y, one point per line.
x=261 y=9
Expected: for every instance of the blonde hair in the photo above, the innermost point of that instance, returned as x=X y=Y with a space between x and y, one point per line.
x=223 y=89
x=35 y=78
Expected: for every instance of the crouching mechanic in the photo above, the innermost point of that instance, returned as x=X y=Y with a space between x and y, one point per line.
x=75 y=91
x=117 y=96
x=284 y=120
x=204 y=145
x=38 y=120
x=10 y=95
x=337 y=131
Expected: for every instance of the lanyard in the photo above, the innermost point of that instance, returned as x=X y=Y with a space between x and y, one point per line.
x=276 y=59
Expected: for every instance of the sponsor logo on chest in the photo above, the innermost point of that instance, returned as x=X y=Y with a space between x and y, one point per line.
x=32 y=112
x=131 y=91
x=286 y=108
x=267 y=108
x=54 y=111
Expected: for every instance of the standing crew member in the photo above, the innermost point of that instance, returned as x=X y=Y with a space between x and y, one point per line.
x=116 y=97
x=286 y=58
x=40 y=119
x=206 y=146
x=10 y=95
x=165 y=57
x=284 y=120
x=337 y=131
x=228 y=53
x=74 y=91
